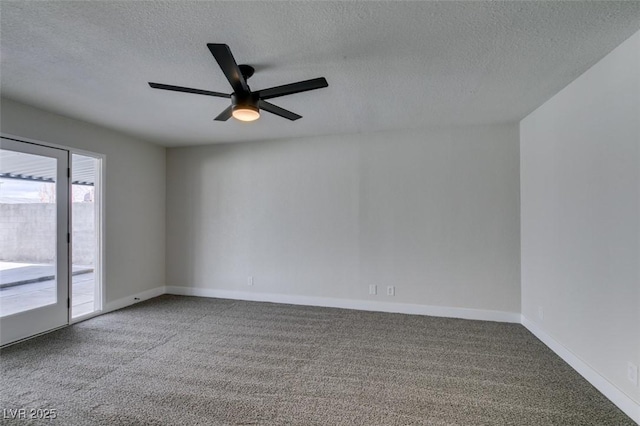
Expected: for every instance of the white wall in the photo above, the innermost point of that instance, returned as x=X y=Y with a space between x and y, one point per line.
x=580 y=177
x=435 y=213
x=134 y=198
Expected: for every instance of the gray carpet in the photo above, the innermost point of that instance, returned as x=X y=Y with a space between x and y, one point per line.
x=196 y=361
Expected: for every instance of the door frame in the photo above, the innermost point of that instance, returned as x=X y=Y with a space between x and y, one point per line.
x=100 y=224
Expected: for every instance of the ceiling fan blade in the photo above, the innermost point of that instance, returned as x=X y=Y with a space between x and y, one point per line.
x=223 y=55
x=188 y=90
x=289 y=89
x=274 y=109
x=224 y=115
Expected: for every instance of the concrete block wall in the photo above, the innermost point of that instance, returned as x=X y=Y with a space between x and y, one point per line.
x=27 y=233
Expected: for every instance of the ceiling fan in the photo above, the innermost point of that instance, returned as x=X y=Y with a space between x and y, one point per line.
x=246 y=104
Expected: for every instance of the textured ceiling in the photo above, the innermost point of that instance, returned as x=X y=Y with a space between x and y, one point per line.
x=390 y=65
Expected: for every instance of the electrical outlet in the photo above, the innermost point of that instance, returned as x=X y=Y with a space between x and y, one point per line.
x=373 y=289
x=540 y=312
x=250 y=281
x=391 y=291
x=632 y=373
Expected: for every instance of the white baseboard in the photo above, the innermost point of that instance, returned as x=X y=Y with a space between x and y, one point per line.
x=361 y=305
x=134 y=298
x=615 y=395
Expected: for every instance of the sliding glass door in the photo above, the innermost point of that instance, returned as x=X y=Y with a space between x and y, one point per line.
x=34 y=248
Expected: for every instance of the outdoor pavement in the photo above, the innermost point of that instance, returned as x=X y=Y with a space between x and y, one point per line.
x=34 y=273
x=24 y=287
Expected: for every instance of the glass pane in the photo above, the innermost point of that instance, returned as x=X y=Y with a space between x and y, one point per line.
x=27 y=232
x=83 y=235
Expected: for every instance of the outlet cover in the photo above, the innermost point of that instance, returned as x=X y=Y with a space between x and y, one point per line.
x=632 y=373
x=373 y=289
x=391 y=290
x=250 y=281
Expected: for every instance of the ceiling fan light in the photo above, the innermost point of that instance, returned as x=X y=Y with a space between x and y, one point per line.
x=245 y=113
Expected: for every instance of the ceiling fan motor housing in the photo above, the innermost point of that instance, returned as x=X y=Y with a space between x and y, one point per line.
x=245 y=101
